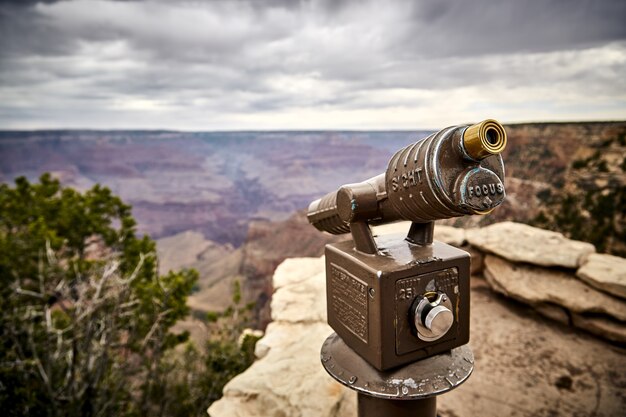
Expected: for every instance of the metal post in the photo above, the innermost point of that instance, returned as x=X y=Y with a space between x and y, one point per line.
x=377 y=407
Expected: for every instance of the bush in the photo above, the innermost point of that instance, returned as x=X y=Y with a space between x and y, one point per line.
x=86 y=320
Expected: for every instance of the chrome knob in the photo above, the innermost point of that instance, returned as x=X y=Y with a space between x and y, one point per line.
x=439 y=320
x=433 y=316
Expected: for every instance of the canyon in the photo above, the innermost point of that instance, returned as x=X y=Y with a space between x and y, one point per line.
x=231 y=204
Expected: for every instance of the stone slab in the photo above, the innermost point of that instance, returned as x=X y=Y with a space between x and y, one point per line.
x=522 y=243
x=601 y=326
x=298 y=289
x=605 y=272
x=288 y=378
x=536 y=286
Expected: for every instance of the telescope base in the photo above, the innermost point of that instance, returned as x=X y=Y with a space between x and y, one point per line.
x=410 y=390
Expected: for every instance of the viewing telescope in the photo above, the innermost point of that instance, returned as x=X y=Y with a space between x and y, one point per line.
x=455 y=172
x=396 y=299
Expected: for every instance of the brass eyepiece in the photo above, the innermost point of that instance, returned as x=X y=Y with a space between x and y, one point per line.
x=484 y=139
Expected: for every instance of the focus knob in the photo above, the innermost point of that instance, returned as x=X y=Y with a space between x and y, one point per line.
x=432 y=316
x=439 y=320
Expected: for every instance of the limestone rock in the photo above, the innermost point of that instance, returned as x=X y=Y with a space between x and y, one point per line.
x=522 y=243
x=605 y=272
x=267 y=245
x=553 y=312
x=451 y=235
x=537 y=286
x=600 y=326
x=295 y=270
x=477 y=260
x=289 y=379
x=297 y=299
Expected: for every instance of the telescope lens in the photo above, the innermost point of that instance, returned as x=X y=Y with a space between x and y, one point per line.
x=484 y=139
x=492 y=136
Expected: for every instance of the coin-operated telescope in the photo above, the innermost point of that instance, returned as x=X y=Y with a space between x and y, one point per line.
x=395 y=300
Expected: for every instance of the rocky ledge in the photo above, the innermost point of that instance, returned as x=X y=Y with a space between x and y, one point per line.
x=562 y=279
x=525 y=365
x=287 y=379
x=522 y=243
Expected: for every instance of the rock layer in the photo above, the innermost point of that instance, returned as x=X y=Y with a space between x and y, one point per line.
x=560 y=296
x=536 y=286
x=522 y=243
x=288 y=379
x=605 y=272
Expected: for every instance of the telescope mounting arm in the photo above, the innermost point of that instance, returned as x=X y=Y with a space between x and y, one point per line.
x=359 y=204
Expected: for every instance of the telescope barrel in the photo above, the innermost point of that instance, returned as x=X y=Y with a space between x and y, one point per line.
x=455 y=172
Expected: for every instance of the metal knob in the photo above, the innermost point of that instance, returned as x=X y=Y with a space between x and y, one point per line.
x=432 y=316
x=439 y=320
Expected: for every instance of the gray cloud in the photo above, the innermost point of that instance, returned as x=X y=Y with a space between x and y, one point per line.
x=532 y=25
x=247 y=63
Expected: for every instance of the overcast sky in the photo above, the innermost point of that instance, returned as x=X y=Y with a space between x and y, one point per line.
x=213 y=65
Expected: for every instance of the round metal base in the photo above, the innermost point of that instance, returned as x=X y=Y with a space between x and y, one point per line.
x=419 y=380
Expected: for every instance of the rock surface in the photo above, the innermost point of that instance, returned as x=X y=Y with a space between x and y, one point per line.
x=605 y=272
x=180 y=250
x=539 y=286
x=217 y=265
x=267 y=244
x=522 y=243
x=525 y=365
x=289 y=380
x=297 y=297
x=601 y=326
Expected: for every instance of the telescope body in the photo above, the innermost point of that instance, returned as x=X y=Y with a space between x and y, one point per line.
x=439 y=177
x=395 y=299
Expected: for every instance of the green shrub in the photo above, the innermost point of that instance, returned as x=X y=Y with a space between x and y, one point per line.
x=86 y=320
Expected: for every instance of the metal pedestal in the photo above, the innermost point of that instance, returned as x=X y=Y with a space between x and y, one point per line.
x=407 y=391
